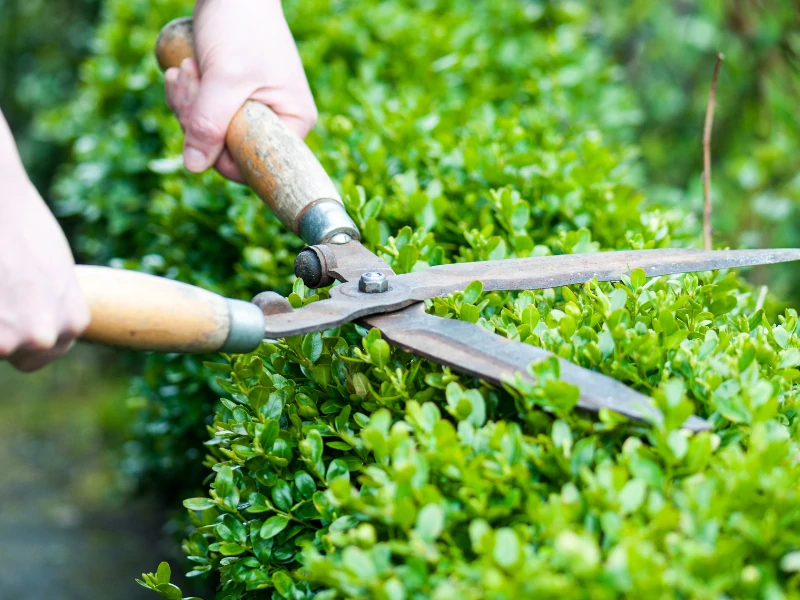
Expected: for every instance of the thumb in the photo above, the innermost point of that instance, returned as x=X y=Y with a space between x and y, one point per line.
x=212 y=111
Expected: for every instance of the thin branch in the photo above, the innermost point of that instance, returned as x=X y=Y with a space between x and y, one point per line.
x=707 y=155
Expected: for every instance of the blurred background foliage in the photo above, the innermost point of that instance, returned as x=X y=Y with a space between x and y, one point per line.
x=41 y=45
x=667 y=51
x=636 y=72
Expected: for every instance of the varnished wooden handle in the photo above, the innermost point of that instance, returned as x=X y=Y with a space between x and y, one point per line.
x=275 y=163
x=144 y=312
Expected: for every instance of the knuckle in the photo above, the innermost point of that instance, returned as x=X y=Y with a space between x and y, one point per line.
x=77 y=323
x=204 y=129
x=8 y=344
x=39 y=338
x=233 y=72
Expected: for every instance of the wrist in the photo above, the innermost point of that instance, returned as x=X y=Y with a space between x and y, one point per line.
x=20 y=194
x=12 y=173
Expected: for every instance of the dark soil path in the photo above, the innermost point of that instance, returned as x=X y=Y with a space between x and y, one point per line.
x=66 y=529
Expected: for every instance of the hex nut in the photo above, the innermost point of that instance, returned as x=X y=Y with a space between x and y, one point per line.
x=373 y=283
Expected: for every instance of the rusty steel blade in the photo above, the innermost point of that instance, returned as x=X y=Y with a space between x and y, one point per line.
x=341 y=308
x=553 y=271
x=470 y=349
x=347 y=303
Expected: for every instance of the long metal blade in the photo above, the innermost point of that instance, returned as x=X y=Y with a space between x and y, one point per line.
x=347 y=303
x=470 y=349
x=553 y=271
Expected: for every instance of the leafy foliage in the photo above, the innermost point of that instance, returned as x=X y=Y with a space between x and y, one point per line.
x=342 y=467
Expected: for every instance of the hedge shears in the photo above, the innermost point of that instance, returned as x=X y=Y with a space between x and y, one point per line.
x=146 y=312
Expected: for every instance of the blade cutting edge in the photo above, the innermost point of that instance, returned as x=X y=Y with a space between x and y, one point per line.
x=470 y=349
x=541 y=272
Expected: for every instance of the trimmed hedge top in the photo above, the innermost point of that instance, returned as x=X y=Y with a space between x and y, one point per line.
x=341 y=467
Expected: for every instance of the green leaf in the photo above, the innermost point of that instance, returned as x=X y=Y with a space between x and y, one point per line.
x=472 y=292
x=262 y=548
x=728 y=401
x=337 y=469
x=314 y=440
x=269 y=434
x=258 y=503
x=312 y=346
x=372 y=208
x=282 y=495
x=506 y=551
x=199 y=503
x=223 y=483
x=169 y=591
x=273 y=526
x=470 y=313
x=305 y=484
x=379 y=353
x=283 y=584
x=430 y=522
x=781 y=336
x=790 y=563
x=274 y=405
x=632 y=496
x=359 y=563
x=407 y=258
x=638 y=278
x=258 y=397
x=231 y=549
x=163 y=573
x=790 y=358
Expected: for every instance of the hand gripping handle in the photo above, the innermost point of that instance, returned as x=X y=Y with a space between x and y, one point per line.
x=275 y=163
x=144 y=312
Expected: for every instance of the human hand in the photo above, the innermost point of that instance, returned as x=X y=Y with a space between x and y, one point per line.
x=244 y=50
x=42 y=308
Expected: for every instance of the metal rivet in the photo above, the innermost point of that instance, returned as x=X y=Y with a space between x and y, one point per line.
x=308 y=267
x=373 y=283
x=340 y=238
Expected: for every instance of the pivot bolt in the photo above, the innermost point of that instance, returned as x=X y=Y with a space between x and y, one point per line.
x=373 y=283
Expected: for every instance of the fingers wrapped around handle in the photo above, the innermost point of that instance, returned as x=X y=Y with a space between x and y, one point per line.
x=275 y=163
x=144 y=312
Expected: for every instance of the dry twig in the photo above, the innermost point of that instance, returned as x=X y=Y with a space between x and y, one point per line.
x=707 y=155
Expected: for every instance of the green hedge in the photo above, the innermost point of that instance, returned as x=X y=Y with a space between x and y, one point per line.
x=338 y=466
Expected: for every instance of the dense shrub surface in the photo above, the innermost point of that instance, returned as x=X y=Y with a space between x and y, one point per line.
x=340 y=467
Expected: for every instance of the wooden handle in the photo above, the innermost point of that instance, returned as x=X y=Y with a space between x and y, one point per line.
x=275 y=163
x=144 y=312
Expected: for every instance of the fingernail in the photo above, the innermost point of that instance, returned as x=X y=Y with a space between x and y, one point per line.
x=194 y=159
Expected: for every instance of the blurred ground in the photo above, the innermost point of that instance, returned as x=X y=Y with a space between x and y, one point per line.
x=67 y=530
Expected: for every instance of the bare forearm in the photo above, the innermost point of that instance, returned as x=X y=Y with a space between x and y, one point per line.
x=42 y=309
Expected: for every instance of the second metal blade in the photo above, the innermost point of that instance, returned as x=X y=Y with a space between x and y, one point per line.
x=470 y=349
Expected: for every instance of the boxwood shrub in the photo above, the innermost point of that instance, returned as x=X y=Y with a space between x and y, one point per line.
x=333 y=465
